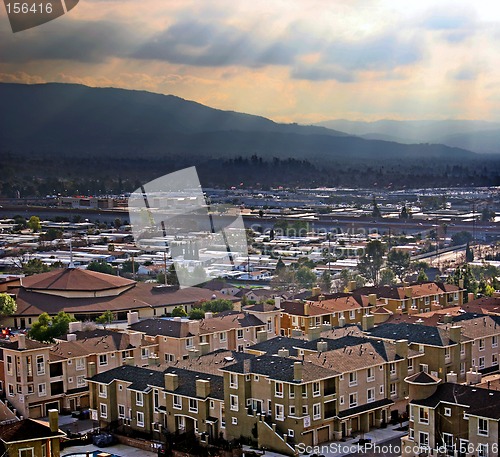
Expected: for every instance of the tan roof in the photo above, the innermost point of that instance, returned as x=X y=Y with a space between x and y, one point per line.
x=228 y=321
x=480 y=327
x=74 y=279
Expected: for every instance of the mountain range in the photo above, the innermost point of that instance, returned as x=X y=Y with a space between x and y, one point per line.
x=478 y=136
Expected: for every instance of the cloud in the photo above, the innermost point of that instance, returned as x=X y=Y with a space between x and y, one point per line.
x=453 y=26
x=465 y=74
x=71 y=40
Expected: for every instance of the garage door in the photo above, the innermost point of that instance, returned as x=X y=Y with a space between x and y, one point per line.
x=36 y=411
x=323 y=434
x=307 y=438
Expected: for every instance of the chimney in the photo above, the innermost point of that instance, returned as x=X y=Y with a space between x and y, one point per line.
x=306 y=309
x=322 y=346
x=132 y=317
x=452 y=377
x=283 y=352
x=296 y=333
x=75 y=327
x=277 y=302
x=171 y=381
x=461 y=283
x=455 y=333
x=341 y=321
x=351 y=285
x=261 y=336
x=135 y=338
x=448 y=318
x=209 y=315
x=298 y=370
x=313 y=333
x=402 y=348
x=372 y=299
x=71 y=337
x=202 y=388
x=204 y=348
x=54 y=420
x=316 y=291
x=473 y=376
x=194 y=327
x=408 y=291
x=177 y=319
x=367 y=322
x=470 y=297
x=21 y=341
x=92 y=369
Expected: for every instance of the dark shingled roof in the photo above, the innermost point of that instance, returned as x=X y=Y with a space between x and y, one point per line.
x=163 y=327
x=143 y=379
x=422 y=378
x=414 y=333
x=273 y=345
x=280 y=369
x=364 y=408
x=27 y=429
x=480 y=402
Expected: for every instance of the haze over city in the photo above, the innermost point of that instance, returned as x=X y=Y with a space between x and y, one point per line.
x=290 y=61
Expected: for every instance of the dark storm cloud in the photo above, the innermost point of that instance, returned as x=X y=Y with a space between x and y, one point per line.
x=81 y=41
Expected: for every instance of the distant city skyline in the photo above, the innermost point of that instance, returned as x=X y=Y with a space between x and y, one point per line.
x=291 y=61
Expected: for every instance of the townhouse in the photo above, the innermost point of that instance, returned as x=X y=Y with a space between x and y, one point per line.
x=40 y=377
x=451 y=419
x=178 y=338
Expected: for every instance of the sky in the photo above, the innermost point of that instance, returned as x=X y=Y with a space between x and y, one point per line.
x=289 y=60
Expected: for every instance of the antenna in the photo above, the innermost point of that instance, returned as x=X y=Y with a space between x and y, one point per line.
x=71 y=264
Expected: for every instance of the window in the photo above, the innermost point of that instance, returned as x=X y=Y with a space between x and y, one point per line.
x=44 y=448
x=423 y=415
x=291 y=411
x=462 y=367
x=31 y=388
x=381 y=390
x=278 y=389
x=103 y=391
x=341 y=400
x=169 y=358
x=234 y=420
x=239 y=334
x=370 y=374
x=139 y=399
x=370 y=395
x=392 y=369
x=80 y=364
x=494 y=359
x=279 y=412
x=481 y=344
x=40 y=365
x=144 y=353
x=482 y=427
x=233 y=402
x=316 y=389
x=10 y=389
x=410 y=364
x=411 y=434
x=494 y=341
x=291 y=432
x=481 y=362
x=26 y=452
x=352 y=314
x=42 y=390
x=121 y=411
x=291 y=392
x=393 y=389
x=212 y=404
x=269 y=325
x=156 y=399
x=193 y=405
x=189 y=342
x=80 y=381
x=412 y=418
x=304 y=391
x=140 y=419
x=317 y=411
x=462 y=349
x=423 y=439
x=353 y=399
x=177 y=402
x=103 y=409
x=233 y=380
x=305 y=410
x=448 y=441
x=256 y=378
x=447 y=412
x=353 y=380
x=482 y=450
x=223 y=337
x=103 y=359
x=9 y=365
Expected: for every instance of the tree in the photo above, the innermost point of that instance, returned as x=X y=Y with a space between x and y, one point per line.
x=34 y=266
x=484 y=288
x=172 y=276
x=179 y=311
x=405 y=214
x=34 y=224
x=376 y=211
x=464 y=273
x=487 y=215
x=105 y=318
x=111 y=247
x=469 y=254
x=387 y=277
x=460 y=238
x=399 y=262
x=101 y=267
x=46 y=328
x=8 y=305
x=51 y=234
x=280 y=265
x=325 y=281
x=306 y=277
x=346 y=276
x=197 y=313
x=422 y=277
x=371 y=262
x=218 y=305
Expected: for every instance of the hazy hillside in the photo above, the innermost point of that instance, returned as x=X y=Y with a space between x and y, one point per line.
x=477 y=136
